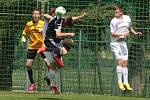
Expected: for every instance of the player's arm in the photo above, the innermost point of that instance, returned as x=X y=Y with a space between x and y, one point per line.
x=59 y=34
x=69 y=21
x=23 y=36
x=47 y=16
x=116 y=34
x=134 y=32
x=75 y=18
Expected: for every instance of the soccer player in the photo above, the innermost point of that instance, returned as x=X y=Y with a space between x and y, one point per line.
x=54 y=43
x=33 y=29
x=120 y=26
x=66 y=21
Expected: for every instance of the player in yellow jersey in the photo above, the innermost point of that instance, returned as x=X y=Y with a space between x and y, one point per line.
x=33 y=29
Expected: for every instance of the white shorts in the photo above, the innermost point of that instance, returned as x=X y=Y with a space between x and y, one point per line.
x=120 y=50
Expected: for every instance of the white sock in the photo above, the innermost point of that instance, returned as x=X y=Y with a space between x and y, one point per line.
x=119 y=73
x=125 y=74
x=51 y=75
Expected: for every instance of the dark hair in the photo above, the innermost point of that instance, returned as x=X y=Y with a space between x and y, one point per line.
x=36 y=10
x=52 y=11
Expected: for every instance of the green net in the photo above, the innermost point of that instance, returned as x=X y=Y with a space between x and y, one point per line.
x=89 y=66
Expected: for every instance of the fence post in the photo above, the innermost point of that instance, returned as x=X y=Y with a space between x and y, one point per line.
x=79 y=61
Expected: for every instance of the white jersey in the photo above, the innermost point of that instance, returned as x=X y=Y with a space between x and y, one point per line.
x=119 y=25
x=45 y=28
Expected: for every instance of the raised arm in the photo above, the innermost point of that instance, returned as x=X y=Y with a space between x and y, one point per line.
x=47 y=16
x=59 y=34
x=75 y=18
x=134 y=32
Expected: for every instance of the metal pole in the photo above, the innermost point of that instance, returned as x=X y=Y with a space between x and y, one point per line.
x=79 y=62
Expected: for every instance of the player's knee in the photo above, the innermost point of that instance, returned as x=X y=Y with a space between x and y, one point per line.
x=64 y=51
x=70 y=41
x=47 y=62
x=125 y=63
x=28 y=67
x=29 y=64
x=120 y=62
x=68 y=46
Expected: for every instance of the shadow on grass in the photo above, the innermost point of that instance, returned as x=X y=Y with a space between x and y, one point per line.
x=52 y=99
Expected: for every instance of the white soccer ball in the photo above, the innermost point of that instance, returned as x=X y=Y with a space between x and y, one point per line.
x=60 y=11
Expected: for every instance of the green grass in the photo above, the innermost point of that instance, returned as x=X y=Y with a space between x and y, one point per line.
x=66 y=96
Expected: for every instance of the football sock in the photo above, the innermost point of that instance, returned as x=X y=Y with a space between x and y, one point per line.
x=51 y=76
x=119 y=74
x=125 y=74
x=30 y=75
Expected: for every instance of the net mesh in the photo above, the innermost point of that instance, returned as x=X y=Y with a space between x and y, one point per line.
x=90 y=65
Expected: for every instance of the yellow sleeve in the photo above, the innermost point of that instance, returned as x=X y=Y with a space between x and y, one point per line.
x=26 y=30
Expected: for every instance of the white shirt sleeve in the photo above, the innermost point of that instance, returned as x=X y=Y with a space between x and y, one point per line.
x=112 y=27
x=130 y=23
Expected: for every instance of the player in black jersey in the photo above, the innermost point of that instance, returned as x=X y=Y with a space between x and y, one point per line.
x=56 y=42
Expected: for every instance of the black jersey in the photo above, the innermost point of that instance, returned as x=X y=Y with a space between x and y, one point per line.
x=53 y=25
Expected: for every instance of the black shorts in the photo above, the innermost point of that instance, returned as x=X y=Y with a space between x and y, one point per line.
x=31 y=54
x=53 y=46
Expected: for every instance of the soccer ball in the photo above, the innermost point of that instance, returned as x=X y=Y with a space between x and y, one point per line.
x=60 y=11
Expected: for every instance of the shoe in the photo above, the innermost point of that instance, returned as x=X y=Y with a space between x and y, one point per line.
x=121 y=86
x=31 y=87
x=42 y=49
x=55 y=89
x=127 y=87
x=59 y=61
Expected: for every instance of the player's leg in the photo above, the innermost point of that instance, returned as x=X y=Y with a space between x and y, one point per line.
x=66 y=45
x=115 y=47
x=43 y=55
x=51 y=75
x=57 y=51
x=125 y=76
x=30 y=57
x=125 y=66
x=49 y=45
x=54 y=47
x=42 y=49
x=47 y=59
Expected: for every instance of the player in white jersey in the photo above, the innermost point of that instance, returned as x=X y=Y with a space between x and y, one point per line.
x=120 y=26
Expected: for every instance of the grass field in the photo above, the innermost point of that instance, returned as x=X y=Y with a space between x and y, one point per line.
x=66 y=96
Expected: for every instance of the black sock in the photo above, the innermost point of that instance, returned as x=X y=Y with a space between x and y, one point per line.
x=47 y=80
x=30 y=75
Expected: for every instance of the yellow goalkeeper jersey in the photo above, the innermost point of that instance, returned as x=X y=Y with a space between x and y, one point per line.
x=34 y=31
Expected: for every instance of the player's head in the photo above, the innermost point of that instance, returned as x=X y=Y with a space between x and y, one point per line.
x=60 y=11
x=36 y=14
x=118 y=11
x=52 y=11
